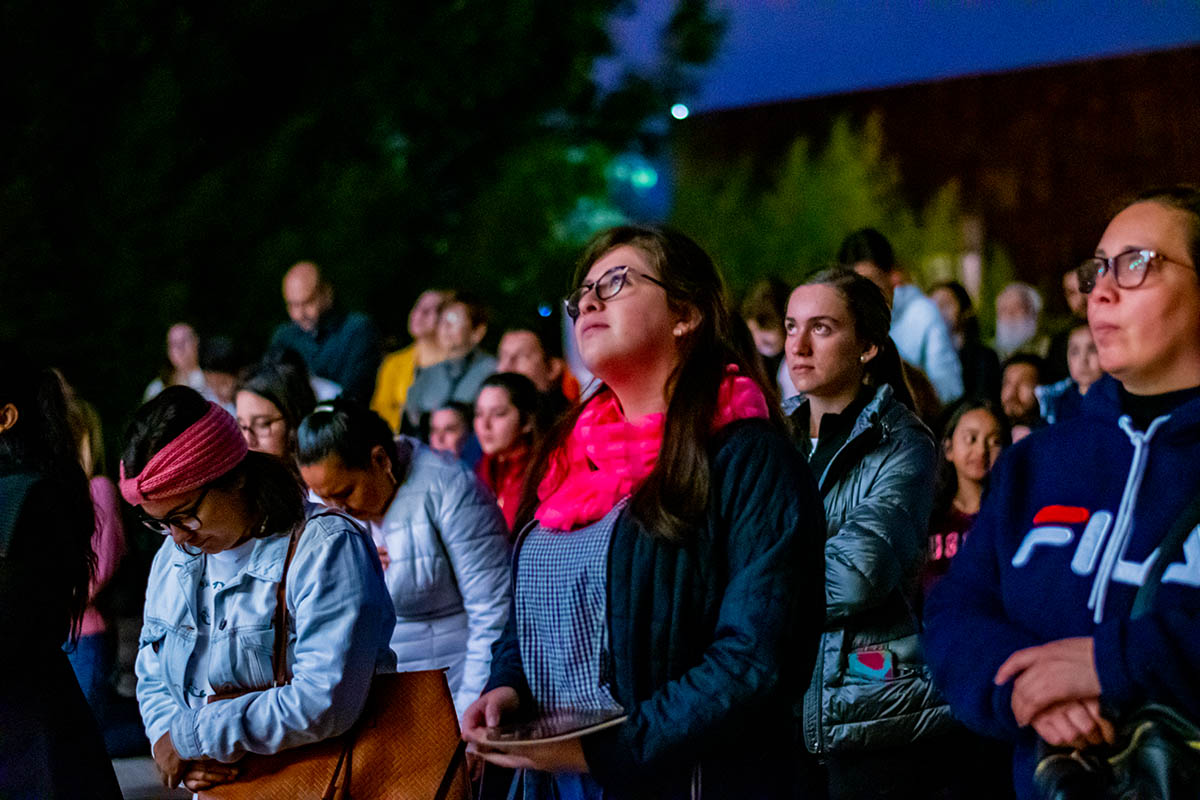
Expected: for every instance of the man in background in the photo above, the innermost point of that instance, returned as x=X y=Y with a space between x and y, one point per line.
x=338 y=346
x=920 y=333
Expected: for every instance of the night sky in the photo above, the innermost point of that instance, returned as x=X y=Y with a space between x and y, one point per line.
x=786 y=49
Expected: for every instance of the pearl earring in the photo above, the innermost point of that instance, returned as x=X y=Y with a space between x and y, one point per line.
x=862 y=359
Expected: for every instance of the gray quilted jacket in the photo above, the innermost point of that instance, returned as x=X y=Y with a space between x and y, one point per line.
x=871 y=687
x=449 y=571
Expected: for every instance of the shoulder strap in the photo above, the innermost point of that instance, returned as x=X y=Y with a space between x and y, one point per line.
x=1170 y=545
x=279 y=623
x=281 y=616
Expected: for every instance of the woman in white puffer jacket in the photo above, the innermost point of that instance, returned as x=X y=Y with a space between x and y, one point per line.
x=440 y=535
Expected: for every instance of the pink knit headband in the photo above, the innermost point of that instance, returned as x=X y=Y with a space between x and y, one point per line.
x=208 y=449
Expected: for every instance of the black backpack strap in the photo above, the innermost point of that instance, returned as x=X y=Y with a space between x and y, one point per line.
x=1171 y=544
x=14 y=488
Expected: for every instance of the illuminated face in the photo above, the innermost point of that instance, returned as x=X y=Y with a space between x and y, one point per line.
x=1016 y=392
x=183 y=348
x=498 y=423
x=631 y=330
x=947 y=304
x=1149 y=337
x=823 y=352
x=305 y=296
x=1083 y=360
x=455 y=335
x=1076 y=300
x=224 y=519
x=522 y=352
x=881 y=278
x=263 y=427
x=447 y=431
x=362 y=493
x=975 y=445
x=767 y=341
x=423 y=319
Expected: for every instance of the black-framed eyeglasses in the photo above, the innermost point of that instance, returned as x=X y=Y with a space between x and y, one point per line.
x=606 y=287
x=259 y=426
x=1128 y=269
x=184 y=519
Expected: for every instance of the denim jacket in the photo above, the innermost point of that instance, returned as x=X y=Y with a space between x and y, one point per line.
x=340 y=619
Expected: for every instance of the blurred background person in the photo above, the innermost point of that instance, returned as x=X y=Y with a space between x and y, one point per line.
x=973 y=437
x=182 y=367
x=531 y=353
x=1021 y=376
x=1018 y=321
x=451 y=431
x=94 y=655
x=1056 y=354
x=918 y=330
x=50 y=745
x=872 y=724
x=763 y=310
x=339 y=346
x=506 y=426
x=438 y=532
x=222 y=360
x=980 y=364
x=272 y=398
x=1064 y=399
x=460 y=330
x=399 y=369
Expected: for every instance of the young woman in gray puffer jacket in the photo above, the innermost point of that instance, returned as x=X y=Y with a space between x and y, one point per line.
x=870 y=717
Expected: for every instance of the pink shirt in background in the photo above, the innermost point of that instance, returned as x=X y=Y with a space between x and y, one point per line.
x=108 y=541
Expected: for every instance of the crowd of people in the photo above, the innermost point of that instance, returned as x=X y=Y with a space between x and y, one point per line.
x=832 y=544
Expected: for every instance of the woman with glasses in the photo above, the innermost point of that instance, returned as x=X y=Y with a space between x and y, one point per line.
x=235 y=523
x=677 y=536
x=49 y=743
x=271 y=400
x=1030 y=635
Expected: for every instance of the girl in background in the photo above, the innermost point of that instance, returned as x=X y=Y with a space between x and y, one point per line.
x=505 y=414
x=974 y=437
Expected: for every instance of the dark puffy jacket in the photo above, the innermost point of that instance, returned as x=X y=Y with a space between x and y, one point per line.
x=878 y=493
x=709 y=638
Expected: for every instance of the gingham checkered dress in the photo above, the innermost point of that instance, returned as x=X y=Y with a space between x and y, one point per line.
x=561 y=593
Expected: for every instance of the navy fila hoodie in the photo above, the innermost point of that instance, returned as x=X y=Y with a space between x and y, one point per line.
x=1067 y=533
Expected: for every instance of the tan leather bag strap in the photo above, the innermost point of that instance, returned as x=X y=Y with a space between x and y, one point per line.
x=279 y=623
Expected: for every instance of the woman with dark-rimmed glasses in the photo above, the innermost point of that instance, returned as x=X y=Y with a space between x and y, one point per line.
x=1030 y=635
x=232 y=517
x=676 y=535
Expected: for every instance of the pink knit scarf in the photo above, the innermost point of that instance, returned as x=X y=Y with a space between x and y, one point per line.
x=605 y=458
x=209 y=448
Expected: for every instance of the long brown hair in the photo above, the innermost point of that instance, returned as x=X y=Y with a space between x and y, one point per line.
x=671 y=502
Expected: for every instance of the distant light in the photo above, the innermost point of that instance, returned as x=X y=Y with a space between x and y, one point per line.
x=544 y=310
x=645 y=177
x=680 y=111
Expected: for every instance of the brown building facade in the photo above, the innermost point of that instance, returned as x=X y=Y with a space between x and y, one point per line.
x=1042 y=155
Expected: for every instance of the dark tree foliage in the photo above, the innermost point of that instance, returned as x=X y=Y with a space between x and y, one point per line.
x=167 y=161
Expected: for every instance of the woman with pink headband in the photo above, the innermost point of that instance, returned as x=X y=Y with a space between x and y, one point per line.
x=236 y=521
